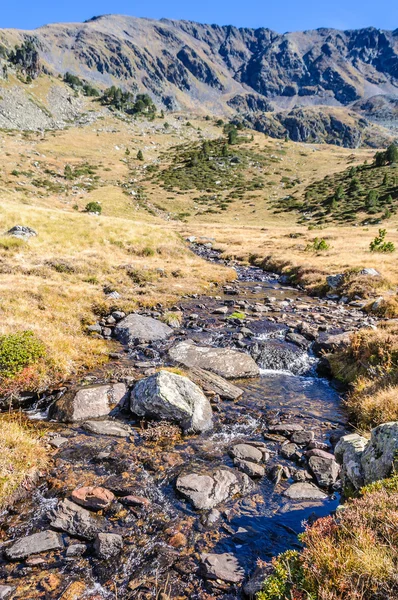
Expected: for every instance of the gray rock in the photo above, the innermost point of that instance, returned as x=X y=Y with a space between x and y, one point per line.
x=250 y=468
x=298 y=340
x=221 y=310
x=108 y=545
x=112 y=428
x=326 y=471
x=370 y=272
x=89 y=402
x=255 y=583
x=327 y=342
x=285 y=428
x=76 y=550
x=75 y=520
x=210 y=382
x=380 y=457
x=58 y=442
x=137 y=329
x=207 y=491
x=21 y=232
x=222 y=566
x=225 y=362
x=6 y=591
x=302 y=437
x=334 y=281
x=247 y=452
x=118 y=315
x=166 y=395
x=34 y=544
x=304 y=491
x=348 y=453
x=289 y=450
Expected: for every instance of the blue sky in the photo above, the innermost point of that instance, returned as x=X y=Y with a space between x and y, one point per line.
x=280 y=15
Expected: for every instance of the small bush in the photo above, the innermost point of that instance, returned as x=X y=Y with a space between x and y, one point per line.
x=17 y=351
x=94 y=207
x=318 y=245
x=380 y=245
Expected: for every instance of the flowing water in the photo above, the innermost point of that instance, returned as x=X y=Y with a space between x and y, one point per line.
x=164 y=539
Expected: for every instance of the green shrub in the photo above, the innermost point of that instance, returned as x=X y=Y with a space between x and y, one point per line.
x=17 y=351
x=287 y=579
x=94 y=207
x=380 y=245
x=318 y=245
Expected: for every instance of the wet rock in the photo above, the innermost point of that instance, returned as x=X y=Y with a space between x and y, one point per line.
x=75 y=520
x=210 y=382
x=277 y=355
x=121 y=485
x=302 y=437
x=135 y=501
x=301 y=475
x=222 y=566
x=289 y=451
x=304 y=491
x=225 y=362
x=22 y=232
x=247 y=452
x=34 y=544
x=207 y=491
x=6 y=592
x=325 y=470
x=250 y=468
x=308 y=331
x=137 y=329
x=285 y=428
x=76 y=550
x=93 y=498
x=298 y=340
x=169 y=396
x=327 y=342
x=112 y=428
x=108 y=545
x=89 y=402
x=278 y=472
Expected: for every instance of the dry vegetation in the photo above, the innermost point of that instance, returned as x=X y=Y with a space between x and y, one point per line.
x=21 y=456
x=353 y=555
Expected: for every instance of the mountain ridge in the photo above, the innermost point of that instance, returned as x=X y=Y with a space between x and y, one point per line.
x=228 y=70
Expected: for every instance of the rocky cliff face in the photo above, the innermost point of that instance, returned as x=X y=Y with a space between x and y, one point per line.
x=226 y=69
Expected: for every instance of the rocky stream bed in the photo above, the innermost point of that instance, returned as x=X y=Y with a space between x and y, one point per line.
x=139 y=508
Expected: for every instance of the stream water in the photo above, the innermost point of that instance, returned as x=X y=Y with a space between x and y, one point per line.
x=164 y=537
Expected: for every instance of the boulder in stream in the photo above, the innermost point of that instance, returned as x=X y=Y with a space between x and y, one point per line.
x=325 y=470
x=75 y=520
x=108 y=545
x=277 y=355
x=169 y=396
x=222 y=566
x=137 y=329
x=210 y=382
x=304 y=491
x=93 y=498
x=225 y=362
x=208 y=490
x=90 y=402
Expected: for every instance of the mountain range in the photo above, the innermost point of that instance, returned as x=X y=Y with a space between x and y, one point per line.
x=321 y=85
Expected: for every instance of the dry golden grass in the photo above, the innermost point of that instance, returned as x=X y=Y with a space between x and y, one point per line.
x=21 y=455
x=54 y=284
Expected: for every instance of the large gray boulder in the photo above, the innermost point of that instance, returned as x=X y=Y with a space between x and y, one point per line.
x=365 y=461
x=137 y=329
x=225 y=362
x=34 y=544
x=380 y=457
x=209 y=490
x=169 y=396
x=327 y=342
x=304 y=491
x=22 y=232
x=89 y=402
x=348 y=452
x=325 y=470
